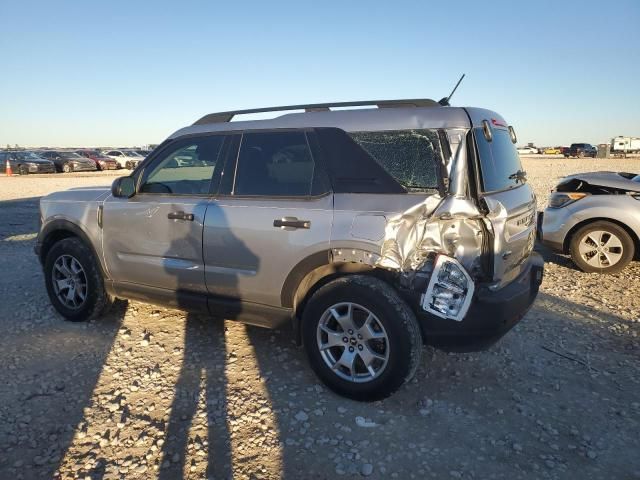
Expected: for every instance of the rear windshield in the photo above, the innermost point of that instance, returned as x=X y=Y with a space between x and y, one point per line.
x=411 y=157
x=499 y=161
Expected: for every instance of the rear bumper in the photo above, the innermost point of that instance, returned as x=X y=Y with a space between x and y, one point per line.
x=491 y=314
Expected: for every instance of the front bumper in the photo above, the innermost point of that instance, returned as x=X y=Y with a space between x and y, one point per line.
x=491 y=314
x=554 y=225
x=83 y=167
x=42 y=168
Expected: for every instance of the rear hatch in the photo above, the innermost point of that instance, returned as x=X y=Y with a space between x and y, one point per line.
x=510 y=200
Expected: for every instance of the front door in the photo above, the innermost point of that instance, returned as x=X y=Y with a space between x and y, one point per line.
x=154 y=238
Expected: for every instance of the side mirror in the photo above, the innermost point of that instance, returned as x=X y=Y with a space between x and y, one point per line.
x=123 y=187
x=512 y=134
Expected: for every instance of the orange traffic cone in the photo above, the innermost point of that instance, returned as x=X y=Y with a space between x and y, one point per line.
x=8 y=169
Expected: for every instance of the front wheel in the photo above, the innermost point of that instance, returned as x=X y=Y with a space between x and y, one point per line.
x=74 y=281
x=362 y=340
x=66 y=168
x=23 y=170
x=601 y=247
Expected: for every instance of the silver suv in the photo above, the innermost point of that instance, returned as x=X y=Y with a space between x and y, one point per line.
x=370 y=230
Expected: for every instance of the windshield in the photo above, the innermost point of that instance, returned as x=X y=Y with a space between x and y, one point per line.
x=69 y=155
x=409 y=156
x=28 y=156
x=499 y=161
x=636 y=179
x=132 y=154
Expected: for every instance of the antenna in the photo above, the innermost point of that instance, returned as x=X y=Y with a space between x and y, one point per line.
x=445 y=101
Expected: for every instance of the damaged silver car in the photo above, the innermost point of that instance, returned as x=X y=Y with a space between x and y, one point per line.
x=594 y=217
x=370 y=230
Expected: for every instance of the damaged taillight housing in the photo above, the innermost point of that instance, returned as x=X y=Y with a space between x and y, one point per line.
x=450 y=290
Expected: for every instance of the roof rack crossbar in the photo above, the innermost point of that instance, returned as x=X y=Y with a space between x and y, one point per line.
x=221 y=117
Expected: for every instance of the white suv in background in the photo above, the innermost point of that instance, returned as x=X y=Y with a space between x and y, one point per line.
x=125 y=158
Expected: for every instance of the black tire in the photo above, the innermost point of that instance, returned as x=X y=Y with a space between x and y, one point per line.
x=23 y=170
x=67 y=168
x=403 y=337
x=611 y=230
x=97 y=301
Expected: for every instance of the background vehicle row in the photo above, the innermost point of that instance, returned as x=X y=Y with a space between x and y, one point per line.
x=57 y=160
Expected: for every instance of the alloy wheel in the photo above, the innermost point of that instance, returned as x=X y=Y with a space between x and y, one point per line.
x=353 y=342
x=69 y=281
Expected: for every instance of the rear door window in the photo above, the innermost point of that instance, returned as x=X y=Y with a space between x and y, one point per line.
x=274 y=164
x=499 y=161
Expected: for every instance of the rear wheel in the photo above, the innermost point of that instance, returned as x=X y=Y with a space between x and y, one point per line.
x=66 y=168
x=601 y=247
x=74 y=281
x=362 y=340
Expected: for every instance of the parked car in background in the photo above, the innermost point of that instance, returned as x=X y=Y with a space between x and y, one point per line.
x=102 y=161
x=527 y=150
x=552 y=151
x=581 y=150
x=144 y=153
x=134 y=159
x=23 y=162
x=123 y=157
x=594 y=217
x=69 y=161
x=309 y=219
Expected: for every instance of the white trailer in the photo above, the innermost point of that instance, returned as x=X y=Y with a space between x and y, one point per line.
x=625 y=145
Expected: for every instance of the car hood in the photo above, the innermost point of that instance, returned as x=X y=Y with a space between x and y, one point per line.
x=80 y=194
x=616 y=180
x=37 y=160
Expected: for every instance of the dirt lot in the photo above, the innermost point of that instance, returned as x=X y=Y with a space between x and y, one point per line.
x=155 y=393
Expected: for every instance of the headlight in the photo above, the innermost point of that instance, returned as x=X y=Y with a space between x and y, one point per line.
x=450 y=290
x=562 y=199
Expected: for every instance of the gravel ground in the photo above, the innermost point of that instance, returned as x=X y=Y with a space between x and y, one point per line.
x=154 y=393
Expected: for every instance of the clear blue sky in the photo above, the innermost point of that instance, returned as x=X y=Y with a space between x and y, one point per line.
x=132 y=72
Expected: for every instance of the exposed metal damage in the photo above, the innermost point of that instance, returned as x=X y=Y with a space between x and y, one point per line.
x=449 y=226
x=439 y=241
x=601 y=183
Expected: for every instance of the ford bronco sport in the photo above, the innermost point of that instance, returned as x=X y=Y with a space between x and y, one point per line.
x=371 y=230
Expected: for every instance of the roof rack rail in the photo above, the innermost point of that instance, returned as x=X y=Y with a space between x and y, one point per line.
x=222 y=117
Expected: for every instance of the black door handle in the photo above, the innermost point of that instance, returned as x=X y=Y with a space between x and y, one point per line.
x=180 y=216
x=287 y=223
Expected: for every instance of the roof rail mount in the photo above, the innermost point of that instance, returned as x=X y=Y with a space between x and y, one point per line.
x=222 y=117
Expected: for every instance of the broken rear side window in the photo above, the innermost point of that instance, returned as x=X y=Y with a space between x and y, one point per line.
x=409 y=156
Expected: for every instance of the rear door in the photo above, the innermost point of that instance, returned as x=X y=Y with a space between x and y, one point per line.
x=511 y=201
x=274 y=211
x=155 y=237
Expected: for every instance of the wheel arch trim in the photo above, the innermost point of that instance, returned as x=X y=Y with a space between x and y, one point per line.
x=63 y=228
